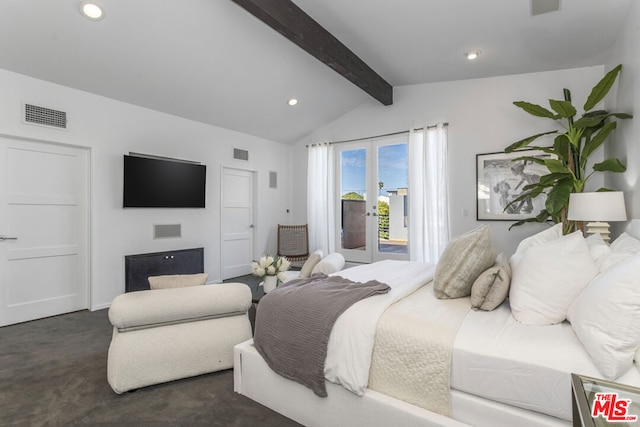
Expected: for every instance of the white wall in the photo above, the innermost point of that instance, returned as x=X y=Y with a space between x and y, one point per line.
x=110 y=129
x=626 y=98
x=481 y=119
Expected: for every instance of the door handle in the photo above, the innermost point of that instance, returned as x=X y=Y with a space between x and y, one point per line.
x=3 y=238
x=251 y=226
x=366 y=214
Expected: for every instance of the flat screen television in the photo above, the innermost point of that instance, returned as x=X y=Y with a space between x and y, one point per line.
x=163 y=183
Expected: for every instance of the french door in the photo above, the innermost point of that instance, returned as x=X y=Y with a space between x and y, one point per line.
x=372 y=200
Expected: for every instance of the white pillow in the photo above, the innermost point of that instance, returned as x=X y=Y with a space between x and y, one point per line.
x=598 y=248
x=547 y=235
x=311 y=262
x=549 y=278
x=329 y=264
x=606 y=318
x=622 y=248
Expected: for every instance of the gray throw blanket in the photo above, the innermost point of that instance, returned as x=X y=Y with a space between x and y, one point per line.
x=293 y=324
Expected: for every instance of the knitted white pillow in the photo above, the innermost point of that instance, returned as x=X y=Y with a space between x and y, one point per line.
x=464 y=258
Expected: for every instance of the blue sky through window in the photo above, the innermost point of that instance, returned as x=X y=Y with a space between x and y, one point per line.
x=392 y=169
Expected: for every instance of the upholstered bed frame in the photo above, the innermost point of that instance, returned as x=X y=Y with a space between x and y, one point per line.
x=255 y=380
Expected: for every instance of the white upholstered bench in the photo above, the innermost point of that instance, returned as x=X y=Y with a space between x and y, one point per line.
x=166 y=334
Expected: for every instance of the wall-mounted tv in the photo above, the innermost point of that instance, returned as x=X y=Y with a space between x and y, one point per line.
x=151 y=182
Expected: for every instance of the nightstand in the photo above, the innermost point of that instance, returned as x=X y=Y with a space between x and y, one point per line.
x=599 y=402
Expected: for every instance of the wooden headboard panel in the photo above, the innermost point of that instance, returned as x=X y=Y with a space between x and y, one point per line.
x=139 y=267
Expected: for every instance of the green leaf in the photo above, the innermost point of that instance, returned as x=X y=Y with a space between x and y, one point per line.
x=535 y=110
x=573 y=135
x=593 y=120
x=589 y=122
x=556 y=166
x=622 y=116
x=541 y=217
x=561 y=146
x=600 y=90
x=558 y=197
x=550 y=179
x=525 y=142
x=604 y=190
x=529 y=159
x=563 y=108
x=597 y=139
x=610 y=165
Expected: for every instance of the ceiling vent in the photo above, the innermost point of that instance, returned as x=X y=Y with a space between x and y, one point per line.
x=240 y=154
x=538 y=7
x=36 y=115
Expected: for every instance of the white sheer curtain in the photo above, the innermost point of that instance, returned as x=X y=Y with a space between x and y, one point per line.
x=320 y=198
x=428 y=194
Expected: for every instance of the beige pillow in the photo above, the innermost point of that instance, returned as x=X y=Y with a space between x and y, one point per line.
x=311 y=262
x=492 y=286
x=177 y=280
x=464 y=258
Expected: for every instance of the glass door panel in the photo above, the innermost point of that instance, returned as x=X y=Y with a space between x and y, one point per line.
x=352 y=219
x=372 y=187
x=392 y=184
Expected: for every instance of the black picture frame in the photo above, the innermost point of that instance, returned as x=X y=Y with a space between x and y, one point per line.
x=500 y=178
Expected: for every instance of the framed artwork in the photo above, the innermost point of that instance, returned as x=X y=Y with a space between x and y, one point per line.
x=500 y=179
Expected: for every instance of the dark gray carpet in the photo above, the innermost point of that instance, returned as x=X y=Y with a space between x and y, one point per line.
x=53 y=372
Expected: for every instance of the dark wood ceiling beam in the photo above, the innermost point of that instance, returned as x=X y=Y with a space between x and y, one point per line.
x=293 y=23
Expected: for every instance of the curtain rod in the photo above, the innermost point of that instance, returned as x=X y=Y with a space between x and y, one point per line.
x=445 y=124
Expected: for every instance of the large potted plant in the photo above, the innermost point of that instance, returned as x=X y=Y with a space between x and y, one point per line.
x=572 y=146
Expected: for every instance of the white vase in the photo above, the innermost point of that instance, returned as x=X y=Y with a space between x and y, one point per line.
x=270 y=283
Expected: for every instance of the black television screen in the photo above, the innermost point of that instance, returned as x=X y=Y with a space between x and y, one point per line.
x=160 y=183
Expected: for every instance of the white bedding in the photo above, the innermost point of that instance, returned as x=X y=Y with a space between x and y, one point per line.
x=352 y=338
x=522 y=365
x=413 y=348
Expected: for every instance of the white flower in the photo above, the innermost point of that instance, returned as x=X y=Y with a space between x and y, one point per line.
x=259 y=271
x=284 y=266
x=264 y=262
x=282 y=276
x=269 y=260
x=271 y=270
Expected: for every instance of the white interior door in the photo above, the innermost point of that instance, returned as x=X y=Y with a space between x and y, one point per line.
x=372 y=194
x=44 y=224
x=237 y=222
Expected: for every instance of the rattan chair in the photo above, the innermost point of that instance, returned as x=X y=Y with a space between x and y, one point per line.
x=293 y=242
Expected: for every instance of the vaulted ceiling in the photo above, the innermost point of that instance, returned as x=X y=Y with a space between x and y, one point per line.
x=213 y=62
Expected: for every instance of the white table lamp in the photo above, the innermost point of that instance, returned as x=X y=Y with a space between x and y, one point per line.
x=600 y=208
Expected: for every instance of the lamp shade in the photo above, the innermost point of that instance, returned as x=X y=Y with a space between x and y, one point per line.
x=600 y=206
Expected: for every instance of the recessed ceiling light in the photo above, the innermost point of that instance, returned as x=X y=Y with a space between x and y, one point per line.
x=91 y=10
x=472 y=54
x=292 y=102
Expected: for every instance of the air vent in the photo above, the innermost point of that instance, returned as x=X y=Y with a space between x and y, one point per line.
x=538 y=7
x=45 y=116
x=167 y=231
x=240 y=154
x=273 y=179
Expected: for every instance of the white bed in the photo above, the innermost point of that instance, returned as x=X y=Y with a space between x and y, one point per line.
x=503 y=373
